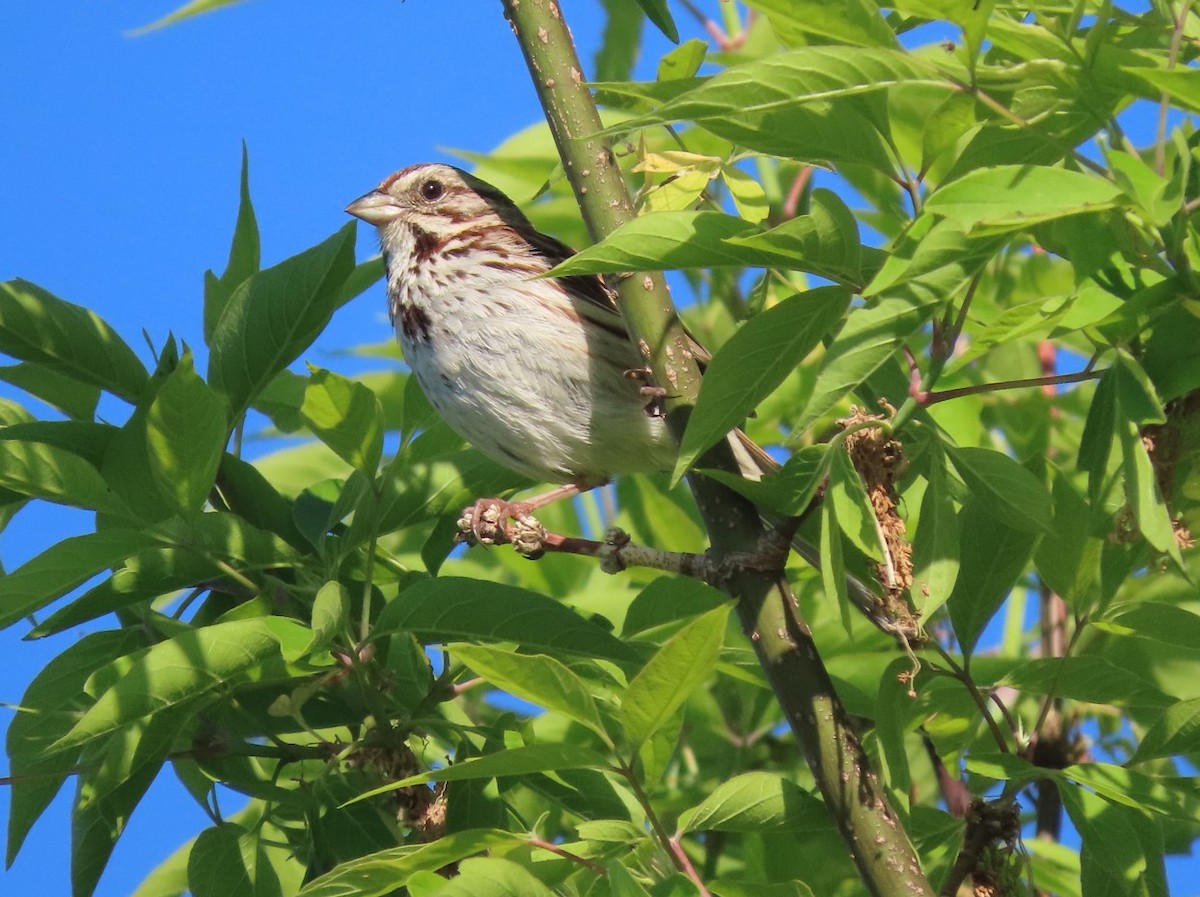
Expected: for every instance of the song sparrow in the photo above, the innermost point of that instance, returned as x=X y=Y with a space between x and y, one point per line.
x=536 y=373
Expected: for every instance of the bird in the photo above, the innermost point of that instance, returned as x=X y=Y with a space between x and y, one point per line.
x=537 y=373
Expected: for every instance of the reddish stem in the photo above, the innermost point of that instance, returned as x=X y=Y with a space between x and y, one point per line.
x=566 y=854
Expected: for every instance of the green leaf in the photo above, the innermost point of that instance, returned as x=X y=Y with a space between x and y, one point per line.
x=671 y=675
x=1066 y=557
x=790 y=490
x=1012 y=494
x=1055 y=868
x=855 y=515
x=1176 y=732
x=229 y=861
x=1138 y=405
x=621 y=882
x=657 y=12
x=186 y=430
x=1169 y=359
x=126 y=464
x=41 y=470
x=849 y=22
x=346 y=416
x=932 y=261
x=1085 y=678
x=114 y=776
x=273 y=316
x=331 y=608
x=168 y=878
x=756 y=802
x=660 y=750
x=384 y=872
x=1143 y=493
x=143 y=576
x=535 y=678
x=749 y=198
x=363 y=275
x=218 y=534
x=74 y=398
x=893 y=712
x=39 y=327
x=1136 y=393
x=869 y=337
x=1113 y=859
x=1144 y=186
x=804 y=104
x=681 y=62
x=451 y=609
x=1181 y=84
x=493 y=877
x=1169 y=796
x=951 y=120
x=668 y=599
x=1099 y=428
x=1158 y=623
x=992 y=556
x=935 y=544
x=251 y=497
x=1037 y=317
x=413 y=490
x=518 y=761
x=244 y=256
x=824 y=242
x=663 y=240
x=1006 y=768
x=832 y=564
x=195 y=664
x=49 y=708
x=620 y=42
x=63 y=567
x=754 y=362
x=1017 y=196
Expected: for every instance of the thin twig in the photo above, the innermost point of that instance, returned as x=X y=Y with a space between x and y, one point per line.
x=236 y=575
x=960 y=320
x=932 y=398
x=792 y=202
x=684 y=860
x=461 y=687
x=1003 y=111
x=567 y=855
x=959 y=673
x=682 y=863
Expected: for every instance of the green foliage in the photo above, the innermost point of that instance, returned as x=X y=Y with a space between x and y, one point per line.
x=296 y=628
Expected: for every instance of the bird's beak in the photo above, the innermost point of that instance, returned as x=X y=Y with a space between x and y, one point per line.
x=375 y=208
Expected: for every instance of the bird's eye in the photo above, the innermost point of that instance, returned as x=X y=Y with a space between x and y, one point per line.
x=432 y=190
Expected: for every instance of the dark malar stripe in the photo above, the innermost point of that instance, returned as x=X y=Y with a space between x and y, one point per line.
x=425 y=244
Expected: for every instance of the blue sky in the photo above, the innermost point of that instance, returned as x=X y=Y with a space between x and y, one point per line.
x=118 y=188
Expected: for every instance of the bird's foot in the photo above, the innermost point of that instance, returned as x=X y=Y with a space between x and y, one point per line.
x=493 y=521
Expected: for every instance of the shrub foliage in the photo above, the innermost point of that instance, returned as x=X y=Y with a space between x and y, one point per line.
x=955 y=283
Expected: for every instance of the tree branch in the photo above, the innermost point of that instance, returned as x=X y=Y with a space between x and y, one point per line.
x=868 y=824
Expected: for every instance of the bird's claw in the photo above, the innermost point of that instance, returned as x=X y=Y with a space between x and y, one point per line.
x=491 y=521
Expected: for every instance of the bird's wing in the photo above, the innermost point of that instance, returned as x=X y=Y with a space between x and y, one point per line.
x=597 y=292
